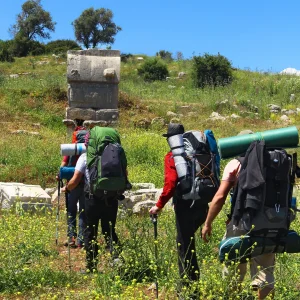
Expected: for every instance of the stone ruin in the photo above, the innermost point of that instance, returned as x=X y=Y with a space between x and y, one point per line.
x=93 y=76
x=24 y=197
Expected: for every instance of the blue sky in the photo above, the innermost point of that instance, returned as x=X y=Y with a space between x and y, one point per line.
x=261 y=35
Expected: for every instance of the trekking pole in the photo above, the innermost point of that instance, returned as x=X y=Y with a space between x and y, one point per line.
x=154 y=221
x=57 y=212
x=69 y=251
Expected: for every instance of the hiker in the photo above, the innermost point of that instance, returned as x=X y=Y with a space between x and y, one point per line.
x=75 y=199
x=100 y=204
x=189 y=214
x=262 y=266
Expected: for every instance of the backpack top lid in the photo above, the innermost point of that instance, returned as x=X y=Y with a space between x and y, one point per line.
x=193 y=139
x=99 y=134
x=97 y=141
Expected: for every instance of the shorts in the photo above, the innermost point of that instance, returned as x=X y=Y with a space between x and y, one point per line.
x=261 y=267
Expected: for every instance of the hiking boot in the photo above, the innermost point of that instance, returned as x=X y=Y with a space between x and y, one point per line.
x=70 y=242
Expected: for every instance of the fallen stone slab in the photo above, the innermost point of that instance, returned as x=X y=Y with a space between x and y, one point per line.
x=12 y=193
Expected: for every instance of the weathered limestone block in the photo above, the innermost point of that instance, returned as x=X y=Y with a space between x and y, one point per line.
x=109 y=73
x=143 y=185
x=142 y=208
x=93 y=95
x=71 y=125
x=90 y=123
x=13 y=193
x=145 y=191
x=80 y=113
x=34 y=207
x=107 y=114
x=94 y=65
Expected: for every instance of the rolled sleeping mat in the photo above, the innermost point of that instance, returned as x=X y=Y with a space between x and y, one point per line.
x=177 y=147
x=66 y=172
x=287 y=137
x=72 y=149
x=244 y=247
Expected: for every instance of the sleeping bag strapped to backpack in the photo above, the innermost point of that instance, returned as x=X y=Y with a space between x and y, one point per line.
x=263 y=195
x=106 y=161
x=241 y=248
x=196 y=165
x=77 y=137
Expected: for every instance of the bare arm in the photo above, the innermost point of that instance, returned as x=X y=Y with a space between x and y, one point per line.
x=215 y=207
x=74 y=181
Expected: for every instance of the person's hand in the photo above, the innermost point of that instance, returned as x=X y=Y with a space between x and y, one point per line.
x=154 y=210
x=63 y=189
x=57 y=177
x=206 y=231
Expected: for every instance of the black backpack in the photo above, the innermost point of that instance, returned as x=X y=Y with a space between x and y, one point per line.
x=201 y=182
x=263 y=195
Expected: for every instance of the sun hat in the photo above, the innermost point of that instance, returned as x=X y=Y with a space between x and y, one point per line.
x=173 y=129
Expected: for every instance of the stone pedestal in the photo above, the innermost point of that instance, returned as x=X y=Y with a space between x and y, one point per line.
x=93 y=77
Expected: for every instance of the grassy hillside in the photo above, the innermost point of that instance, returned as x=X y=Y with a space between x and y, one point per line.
x=32 y=267
x=36 y=101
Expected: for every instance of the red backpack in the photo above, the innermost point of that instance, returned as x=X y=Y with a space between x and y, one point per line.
x=77 y=137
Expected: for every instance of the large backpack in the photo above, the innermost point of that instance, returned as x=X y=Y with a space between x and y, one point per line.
x=202 y=180
x=77 y=137
x=106 y=162
x=262 y=197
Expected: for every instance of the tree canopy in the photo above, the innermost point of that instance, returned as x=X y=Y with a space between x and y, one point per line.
x=33 y=22
x=95 y=26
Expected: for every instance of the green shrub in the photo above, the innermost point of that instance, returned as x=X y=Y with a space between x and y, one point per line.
x=5 y=52
x=61 y=46
x=165 y=55
x=125 y=57
x=153 y=69
x=22 y=47
x=5 y=55
x=211 y=70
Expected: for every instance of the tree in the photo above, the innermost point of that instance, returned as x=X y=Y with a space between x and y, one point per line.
x=165 y=55
x=95 y=27
x=33 y=22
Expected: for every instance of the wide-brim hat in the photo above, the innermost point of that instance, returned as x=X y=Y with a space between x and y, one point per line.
x=174 y=129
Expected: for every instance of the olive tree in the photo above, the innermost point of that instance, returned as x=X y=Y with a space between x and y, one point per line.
x=33 y=22
x=95 y=26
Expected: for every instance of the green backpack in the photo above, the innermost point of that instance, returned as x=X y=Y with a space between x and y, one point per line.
x=106 y=161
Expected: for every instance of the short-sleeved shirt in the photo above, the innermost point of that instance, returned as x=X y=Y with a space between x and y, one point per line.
x=81 y=167
x=231 y=171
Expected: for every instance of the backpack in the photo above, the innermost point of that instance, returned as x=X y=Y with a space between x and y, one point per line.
x=106 y=162
x=201 y=181
x=262 y=198
x=77 y=137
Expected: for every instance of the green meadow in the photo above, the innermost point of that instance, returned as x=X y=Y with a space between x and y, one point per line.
x=33 y=267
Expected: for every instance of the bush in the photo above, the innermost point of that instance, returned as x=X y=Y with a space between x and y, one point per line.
x=125 y=57
x=153 y=69
x=5 y=51
x=61 y=46
x=22 y=47
x=212 y=70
